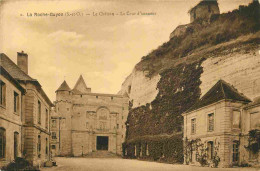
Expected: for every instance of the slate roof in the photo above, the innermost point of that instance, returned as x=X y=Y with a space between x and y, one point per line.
x=221 y=90
x=64 y=87
x=19 y=75
x=13 y=69
x=80 y=86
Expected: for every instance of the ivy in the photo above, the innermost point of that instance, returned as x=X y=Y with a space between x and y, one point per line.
x=178 y=91
x=254 y=141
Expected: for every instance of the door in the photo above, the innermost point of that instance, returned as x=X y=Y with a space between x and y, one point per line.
x=102 y=142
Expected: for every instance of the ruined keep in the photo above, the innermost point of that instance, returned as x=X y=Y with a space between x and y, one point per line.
x=85 y=122
x=173 y=77
x=204 y=10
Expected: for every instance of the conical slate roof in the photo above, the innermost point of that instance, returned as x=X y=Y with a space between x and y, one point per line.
x=80 y=86
x=221 y=90
x=64 y=87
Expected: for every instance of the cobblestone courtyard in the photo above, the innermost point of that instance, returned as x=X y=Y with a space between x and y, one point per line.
x=118 y=164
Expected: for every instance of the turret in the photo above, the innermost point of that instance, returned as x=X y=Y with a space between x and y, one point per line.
x=63 y=92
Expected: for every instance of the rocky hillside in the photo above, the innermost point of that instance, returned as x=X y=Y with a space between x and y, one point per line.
x=170 y=79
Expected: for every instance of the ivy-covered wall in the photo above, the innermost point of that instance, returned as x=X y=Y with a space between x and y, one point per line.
x=178 y=91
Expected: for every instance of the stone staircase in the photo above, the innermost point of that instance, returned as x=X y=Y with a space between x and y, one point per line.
x=101 y=154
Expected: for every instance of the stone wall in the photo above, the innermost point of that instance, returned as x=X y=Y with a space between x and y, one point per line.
x=242 y=70
x=143 y=88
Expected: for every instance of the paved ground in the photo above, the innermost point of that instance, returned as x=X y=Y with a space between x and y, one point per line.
x=118 y=164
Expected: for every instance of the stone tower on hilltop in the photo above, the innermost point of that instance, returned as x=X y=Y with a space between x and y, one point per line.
x=85 y=122
x=204 y=10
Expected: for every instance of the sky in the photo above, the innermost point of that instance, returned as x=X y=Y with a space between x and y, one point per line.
x=104 y=49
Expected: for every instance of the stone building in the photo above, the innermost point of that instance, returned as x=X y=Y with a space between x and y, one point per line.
x=11 y=93
x=87 y=122
x=35 y=107
x=204 y=10
x=216 y=128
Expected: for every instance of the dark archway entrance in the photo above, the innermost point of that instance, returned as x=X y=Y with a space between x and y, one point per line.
x=102 y=143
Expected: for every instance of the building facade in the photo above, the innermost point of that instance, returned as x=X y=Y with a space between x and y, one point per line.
x=86 y=122
x=217 y=128
x=33 y=110
x=11 y=93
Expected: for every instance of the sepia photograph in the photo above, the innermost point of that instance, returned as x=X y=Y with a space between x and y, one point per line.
x=129 y=85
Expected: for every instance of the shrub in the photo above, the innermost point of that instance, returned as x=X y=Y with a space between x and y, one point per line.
x=19 y=164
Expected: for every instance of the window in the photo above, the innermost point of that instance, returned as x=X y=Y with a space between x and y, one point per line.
x=46 y=118
x=87 y=125
x=39 y=146
x=53 y=147
x=210 y=150
x=68 y=109
x=236 y=119
x=53 y=135
x=39 y=112
x=46 y=148
x=193 y=126
x=2 y=143
x=16 y=102
x=211 y=122
x=16 y=138
x=129 y=89
x=235 y=151
x=53 y=123
x=2 y=93
x=117 y=126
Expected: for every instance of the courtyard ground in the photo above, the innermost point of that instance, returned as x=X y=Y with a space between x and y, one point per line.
x=118 y=164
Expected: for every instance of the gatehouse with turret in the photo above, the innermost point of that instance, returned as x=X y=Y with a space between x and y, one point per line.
x=85 y=122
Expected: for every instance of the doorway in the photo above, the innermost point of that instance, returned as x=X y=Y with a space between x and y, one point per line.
x=102 y=142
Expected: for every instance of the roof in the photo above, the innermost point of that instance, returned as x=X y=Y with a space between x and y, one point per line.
x=64 y=87
x=19 y=75
x=10 y=78
x=256 y=102
x=81 y=87
x=12 y=68
x=221 y=90
x=204 y=2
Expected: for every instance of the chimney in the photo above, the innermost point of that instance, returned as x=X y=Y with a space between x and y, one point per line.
x=22 y=61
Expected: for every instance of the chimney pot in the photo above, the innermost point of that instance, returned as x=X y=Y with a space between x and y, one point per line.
x=22 y=61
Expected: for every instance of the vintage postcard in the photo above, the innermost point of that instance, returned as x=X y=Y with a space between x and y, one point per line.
x=132 y=85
